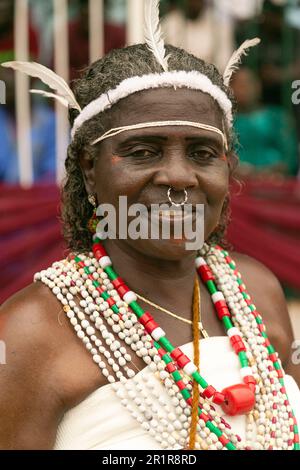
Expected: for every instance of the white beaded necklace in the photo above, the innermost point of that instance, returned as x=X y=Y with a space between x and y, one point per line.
x=166 y=419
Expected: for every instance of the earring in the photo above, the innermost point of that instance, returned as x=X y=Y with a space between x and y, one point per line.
x=92 y=200
x=93 y=221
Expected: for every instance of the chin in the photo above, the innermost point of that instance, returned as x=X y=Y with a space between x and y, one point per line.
x=168 y=250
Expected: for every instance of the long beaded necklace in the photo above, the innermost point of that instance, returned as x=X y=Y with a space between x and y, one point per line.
x=82 y=274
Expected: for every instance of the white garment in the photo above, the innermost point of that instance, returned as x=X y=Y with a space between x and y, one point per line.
x=209 y=37
x=101 y=421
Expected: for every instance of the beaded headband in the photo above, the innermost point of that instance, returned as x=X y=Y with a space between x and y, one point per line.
x=153 y=37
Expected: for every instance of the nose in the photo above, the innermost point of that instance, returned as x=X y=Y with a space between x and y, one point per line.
x=177 y=172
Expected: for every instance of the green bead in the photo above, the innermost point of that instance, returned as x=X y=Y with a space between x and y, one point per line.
x=185 y=393
x=270 y=349
x=137 y=308
x=199 y=379
x=211 y=287
x=115 y=308
x=176 y=375
x=252 y=308
x=277 y=365
x=231 y=265
x=96 y=283
x=296 y=446
x=258 y=320
x=111 y=273
x=296 y=431
x=166 y=358
x=97 y=240
x=165 y=343
x=230 y=446
x=264 y=334
x=227 y=323
x=86 y=270
x=105 y=295
x=245 y=295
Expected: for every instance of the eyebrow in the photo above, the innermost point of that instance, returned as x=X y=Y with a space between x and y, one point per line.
x=154 y=138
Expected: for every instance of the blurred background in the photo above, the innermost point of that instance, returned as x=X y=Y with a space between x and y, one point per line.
x=67 y=35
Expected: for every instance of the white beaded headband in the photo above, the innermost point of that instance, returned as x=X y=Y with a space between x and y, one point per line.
x=177 y=79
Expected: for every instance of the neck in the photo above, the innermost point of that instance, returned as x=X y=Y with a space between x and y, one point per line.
x=168 y=282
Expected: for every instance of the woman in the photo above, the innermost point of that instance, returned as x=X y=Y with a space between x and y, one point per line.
x=162 y=137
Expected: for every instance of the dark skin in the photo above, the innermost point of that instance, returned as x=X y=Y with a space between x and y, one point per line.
x=41 y=379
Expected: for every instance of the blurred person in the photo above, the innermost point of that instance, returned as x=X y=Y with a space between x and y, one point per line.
x=42 y=136
x=114 y=37
x=266 y=133
x=7 y=31
x=201 y=30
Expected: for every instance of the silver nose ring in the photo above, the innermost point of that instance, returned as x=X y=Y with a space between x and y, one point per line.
x=177 y=204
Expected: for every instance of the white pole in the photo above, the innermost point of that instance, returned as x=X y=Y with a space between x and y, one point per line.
x=135 y=22
x=61 y=64
x=96 y=30
x=23 y=113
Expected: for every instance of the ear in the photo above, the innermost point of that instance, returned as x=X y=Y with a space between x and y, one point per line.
x=88 y=172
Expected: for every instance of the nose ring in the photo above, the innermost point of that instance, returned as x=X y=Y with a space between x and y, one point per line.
x=177 y=204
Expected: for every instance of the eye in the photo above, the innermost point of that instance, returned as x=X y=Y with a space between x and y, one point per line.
x=203 y=154
x=143 y=154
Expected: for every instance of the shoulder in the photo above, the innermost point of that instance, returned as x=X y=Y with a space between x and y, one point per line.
x=29 y=397
x=267 y=295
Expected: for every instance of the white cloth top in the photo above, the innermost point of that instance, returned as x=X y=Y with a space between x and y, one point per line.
x=100 y=421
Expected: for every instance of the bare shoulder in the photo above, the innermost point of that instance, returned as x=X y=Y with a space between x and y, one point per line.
x=267 y=295
x=29 y=331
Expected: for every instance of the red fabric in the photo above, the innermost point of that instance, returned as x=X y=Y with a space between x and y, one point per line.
x=265 y=225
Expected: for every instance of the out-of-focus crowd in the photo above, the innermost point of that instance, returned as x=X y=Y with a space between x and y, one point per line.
x=267 y=122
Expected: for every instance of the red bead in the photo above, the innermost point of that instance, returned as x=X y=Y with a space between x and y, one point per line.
x=296 y=438
x=218 y=398
x=99 y=251
x=145 y=318
x=240 y=346
x=204 y=417
x=176 y=353
x=150 y=326
x=273 y=357
x=180 y=384
x=223 y=440
x=170 y=367
x=209 y=391
x=205 y=273
x=182 y=361
x=239 y=399
x=234 y=339
x=110 y=301
x=122 y=290
x=222 y=309
x=99 y=290
x=189 y=401
x=118 y=282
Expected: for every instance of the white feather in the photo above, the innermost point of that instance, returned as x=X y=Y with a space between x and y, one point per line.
x=236 y=57
x=153 y=33
x=46 y=94
x=48 y=77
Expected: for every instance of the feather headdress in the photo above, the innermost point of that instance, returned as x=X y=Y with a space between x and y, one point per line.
x=236 y=58
x=63 y=93
x=153 y=34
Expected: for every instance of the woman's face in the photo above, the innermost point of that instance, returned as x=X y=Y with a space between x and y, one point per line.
x=143 y=163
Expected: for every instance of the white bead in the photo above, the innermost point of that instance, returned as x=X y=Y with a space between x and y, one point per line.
x=158 y=333
x=190 y=368
x=217 y=296
x=199 y=261
x=233 y=332
x=104 y=262
x=129 y=297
